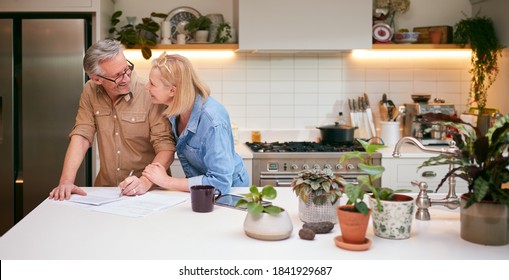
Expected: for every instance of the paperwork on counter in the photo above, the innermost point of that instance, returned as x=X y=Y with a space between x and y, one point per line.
x=108 y=201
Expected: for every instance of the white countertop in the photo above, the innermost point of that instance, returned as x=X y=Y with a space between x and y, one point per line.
x=56 y=230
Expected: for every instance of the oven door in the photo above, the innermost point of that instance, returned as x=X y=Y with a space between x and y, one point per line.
x=284 y=179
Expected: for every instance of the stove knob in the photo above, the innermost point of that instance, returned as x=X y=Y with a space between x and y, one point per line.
x=294 y=166
x=305 y=166
x=339 y=167
x=350 y=166
x=316 y=166
x=327 y=166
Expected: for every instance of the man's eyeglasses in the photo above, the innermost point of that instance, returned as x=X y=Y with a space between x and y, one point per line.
x=119 y=78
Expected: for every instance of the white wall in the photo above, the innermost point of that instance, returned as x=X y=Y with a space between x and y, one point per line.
x=302 y=91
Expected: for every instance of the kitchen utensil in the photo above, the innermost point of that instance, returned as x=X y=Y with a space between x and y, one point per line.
x=337 y=134
x=369 y=114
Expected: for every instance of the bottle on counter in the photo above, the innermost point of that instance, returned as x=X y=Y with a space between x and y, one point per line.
x=341 y=119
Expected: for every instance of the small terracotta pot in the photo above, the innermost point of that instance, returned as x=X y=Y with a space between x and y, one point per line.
x=353 y=224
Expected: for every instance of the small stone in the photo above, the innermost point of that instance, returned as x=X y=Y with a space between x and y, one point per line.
x=307 y=234
x=320 y=227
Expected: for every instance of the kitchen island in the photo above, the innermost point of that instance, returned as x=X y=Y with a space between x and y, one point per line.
x=61 y=230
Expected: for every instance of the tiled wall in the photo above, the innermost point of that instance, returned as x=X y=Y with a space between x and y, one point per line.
x=302 y=91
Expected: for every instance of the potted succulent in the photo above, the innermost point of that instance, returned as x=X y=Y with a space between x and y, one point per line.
x=480 y=33
x=199 y=26
x=483 y=161
x=264 y=222
x=319 y=193
x=143 y=35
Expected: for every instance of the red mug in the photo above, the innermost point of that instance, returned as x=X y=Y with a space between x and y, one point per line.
x=203 y=198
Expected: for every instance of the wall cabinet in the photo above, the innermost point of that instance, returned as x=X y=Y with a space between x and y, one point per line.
x=304 y=25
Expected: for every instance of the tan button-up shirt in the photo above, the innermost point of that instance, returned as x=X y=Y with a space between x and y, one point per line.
x=130 y=132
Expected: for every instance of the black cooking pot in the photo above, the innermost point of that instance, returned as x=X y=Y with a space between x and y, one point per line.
x=337 y=134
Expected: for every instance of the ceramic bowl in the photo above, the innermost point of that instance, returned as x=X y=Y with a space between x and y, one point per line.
x=406 y=37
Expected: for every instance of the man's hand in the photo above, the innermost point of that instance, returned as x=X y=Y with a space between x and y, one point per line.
x=64 y=191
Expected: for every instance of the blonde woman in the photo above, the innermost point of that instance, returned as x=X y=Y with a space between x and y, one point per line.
x=200 y=125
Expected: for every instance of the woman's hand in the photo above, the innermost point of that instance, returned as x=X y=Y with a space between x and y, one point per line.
x=156 y=173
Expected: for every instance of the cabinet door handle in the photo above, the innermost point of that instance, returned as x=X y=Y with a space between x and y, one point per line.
x=427 y=174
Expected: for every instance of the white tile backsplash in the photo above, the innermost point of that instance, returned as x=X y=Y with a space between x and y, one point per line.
x=302 y=91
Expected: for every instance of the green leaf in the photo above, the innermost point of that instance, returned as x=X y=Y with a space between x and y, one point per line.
x=254 y=208
x=271 y=209
x=146 y=52
x=241 y=202
x=269 y=192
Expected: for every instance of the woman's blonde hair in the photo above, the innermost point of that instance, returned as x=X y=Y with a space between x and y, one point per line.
x=178 y=71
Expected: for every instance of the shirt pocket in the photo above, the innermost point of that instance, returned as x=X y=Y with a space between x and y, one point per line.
x=103 y=118
x=134 y=124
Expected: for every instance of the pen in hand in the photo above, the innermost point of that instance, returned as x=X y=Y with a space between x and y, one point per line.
x=130 y=174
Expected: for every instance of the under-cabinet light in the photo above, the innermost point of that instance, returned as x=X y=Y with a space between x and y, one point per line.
x=411 y=54
x=189 y=54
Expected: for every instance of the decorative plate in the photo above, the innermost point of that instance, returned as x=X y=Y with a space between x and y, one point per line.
x=382 y=32
x=179 y=18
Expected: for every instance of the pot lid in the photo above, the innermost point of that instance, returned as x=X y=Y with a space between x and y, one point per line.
x=336 y=126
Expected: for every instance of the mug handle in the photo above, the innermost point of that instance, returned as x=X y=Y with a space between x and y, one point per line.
x=218 y=194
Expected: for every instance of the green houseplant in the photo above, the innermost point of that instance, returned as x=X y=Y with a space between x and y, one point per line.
x=482 y=161
x=319 y=193
x=267 y=222
x=480 y=33
x=199 y=27
x=143 y=35
x=223 y=33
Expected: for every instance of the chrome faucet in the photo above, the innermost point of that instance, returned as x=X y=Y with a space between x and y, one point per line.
x=423 y=201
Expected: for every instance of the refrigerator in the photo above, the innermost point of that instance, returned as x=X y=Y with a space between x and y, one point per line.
x=41 y=79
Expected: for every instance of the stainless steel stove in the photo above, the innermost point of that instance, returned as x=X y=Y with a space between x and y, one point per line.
x=278 y=163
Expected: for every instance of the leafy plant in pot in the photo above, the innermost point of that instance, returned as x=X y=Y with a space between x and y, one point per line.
x=199 y=26
x=319 y=193
x=143 y=35
x=354 y=216
x=482 y=161
x=486 y=48
x=264 y=222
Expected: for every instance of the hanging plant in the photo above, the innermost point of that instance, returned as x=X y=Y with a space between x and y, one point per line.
x=486 y=48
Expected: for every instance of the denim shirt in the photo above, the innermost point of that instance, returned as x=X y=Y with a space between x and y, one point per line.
x=205 y=148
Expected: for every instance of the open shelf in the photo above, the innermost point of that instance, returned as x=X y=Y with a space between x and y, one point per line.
x=205 y=47
x=418 y=46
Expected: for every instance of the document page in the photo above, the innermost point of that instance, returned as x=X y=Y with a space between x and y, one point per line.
x=142 y=205
x=97 y=197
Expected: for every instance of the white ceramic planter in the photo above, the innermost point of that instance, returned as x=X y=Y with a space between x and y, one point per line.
x=395 y=221
x=201 y=36
x=268 y=227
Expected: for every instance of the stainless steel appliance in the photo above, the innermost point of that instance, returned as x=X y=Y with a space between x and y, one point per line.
x=41 y=78
x=414 y=126
x=278 y=164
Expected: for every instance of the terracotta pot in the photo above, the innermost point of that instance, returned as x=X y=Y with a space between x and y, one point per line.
x=395 y=220
x=484 y=222
x=353 y=224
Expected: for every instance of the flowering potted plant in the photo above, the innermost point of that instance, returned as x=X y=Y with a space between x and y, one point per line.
x=482 y=161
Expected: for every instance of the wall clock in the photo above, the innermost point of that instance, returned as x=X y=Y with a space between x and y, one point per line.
x=179 y=18
x=382 y=32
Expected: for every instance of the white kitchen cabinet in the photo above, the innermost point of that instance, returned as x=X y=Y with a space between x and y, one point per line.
x=399 y=172
x=304 y=25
